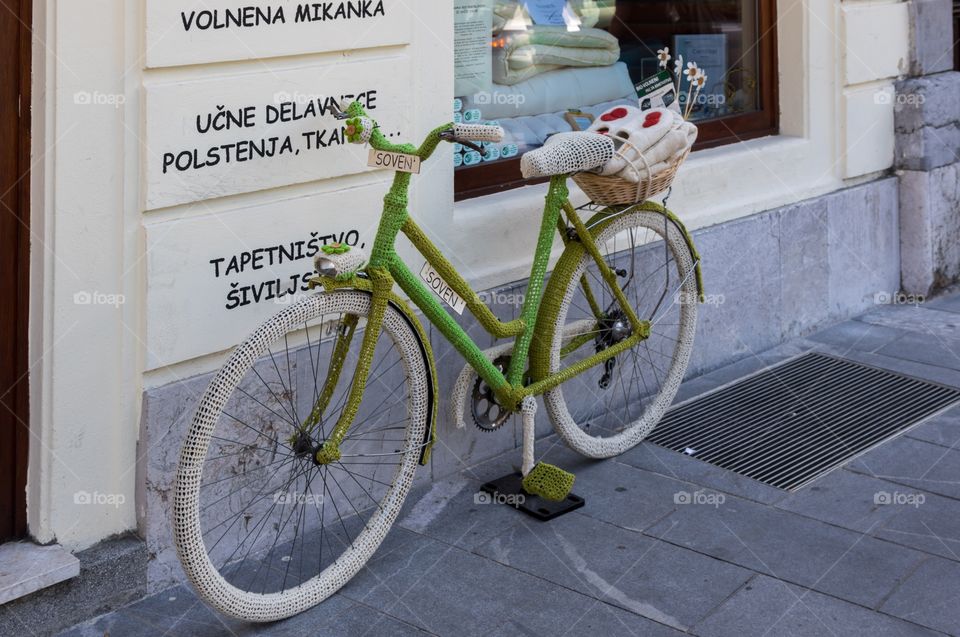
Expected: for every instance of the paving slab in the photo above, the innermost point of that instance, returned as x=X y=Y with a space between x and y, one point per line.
x=628 y=497
x=929 y=523
x=26 y=567
x=914 y=318
x=844 y=498
x=857 y=335
x=448 y=591
x=930 y=596
x=451 y=512
x=943 y=429
x=945 y=303
x=659 y=581
x=178 y=611
x=767 y=606
x=598 y=619
x=921 y=465
x=931 y=349
x=846 y=564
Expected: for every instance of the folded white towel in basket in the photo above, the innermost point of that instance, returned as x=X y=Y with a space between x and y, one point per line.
x=647 y=141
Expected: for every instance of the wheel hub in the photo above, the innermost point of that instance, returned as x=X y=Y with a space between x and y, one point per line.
x=613 y=328
x=301 y=444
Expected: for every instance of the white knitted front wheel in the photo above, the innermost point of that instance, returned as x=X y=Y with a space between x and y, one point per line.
x=607 y=410
x=262 y=530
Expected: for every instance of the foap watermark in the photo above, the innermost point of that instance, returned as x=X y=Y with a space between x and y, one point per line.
x=290 y=299
x=693 y=298
x=885 y=498
x=297 y=499
x=699 y=497
x=115 y=500
x=512 y=299
x=898 y=298
x=96 y=98
x=98 y=298
x=497 y=98
x=296 y=97
x=710 y=99
x=899 y=100
x=513 y=499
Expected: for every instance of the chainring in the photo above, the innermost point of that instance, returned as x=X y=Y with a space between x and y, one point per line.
x=488 y=414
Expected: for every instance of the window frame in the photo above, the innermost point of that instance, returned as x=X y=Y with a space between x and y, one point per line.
x=505 y=175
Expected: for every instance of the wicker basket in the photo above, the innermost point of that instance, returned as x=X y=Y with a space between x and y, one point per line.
x=611 y=191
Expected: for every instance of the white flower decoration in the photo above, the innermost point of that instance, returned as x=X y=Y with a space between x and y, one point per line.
x=701 y=79
x=678 y=66
x=664 y=56
x=692 y=71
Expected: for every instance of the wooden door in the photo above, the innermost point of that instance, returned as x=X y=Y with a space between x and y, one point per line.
x=15 y=15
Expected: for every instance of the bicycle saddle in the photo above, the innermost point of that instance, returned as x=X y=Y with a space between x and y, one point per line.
x=566 y=153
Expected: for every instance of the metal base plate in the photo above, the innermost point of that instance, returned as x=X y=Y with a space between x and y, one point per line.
x=509 y=490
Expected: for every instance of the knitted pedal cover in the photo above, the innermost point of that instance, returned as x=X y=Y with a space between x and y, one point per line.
x=548 y=482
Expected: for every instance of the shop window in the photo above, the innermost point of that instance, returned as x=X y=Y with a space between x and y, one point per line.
x=547 y=66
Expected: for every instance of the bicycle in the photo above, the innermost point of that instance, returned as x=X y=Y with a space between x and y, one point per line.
x=304 y=446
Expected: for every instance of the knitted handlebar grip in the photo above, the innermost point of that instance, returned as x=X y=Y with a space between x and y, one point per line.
x=478 y=132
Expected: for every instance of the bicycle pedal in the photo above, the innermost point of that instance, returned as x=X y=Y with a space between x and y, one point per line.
x=548 y=482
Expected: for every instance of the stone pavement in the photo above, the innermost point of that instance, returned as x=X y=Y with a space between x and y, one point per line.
x=824 y=560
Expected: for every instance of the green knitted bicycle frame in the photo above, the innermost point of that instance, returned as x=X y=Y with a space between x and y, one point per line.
x=385 y=268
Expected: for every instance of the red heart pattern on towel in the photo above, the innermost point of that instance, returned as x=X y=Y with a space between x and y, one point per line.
x=652 y=119
x=615 y=114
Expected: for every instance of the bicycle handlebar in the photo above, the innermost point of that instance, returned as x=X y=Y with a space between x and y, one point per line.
x=361 y=129
x=478 y=132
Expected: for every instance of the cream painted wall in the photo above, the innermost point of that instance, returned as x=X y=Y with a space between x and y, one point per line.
x=875 y=36
x=95 y=231
x=86 y=321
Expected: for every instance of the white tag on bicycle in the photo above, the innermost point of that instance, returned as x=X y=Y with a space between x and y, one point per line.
x=441 y=288
x=394 y=161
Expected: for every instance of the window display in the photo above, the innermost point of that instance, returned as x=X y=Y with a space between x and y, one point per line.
x=555 y=65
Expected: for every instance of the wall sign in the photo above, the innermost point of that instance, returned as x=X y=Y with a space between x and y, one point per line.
x=241 y=133
x=197 y=32
x=214 y=278
x=472 y=55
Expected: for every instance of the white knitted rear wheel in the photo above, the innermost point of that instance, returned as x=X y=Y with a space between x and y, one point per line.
x=585 y=423
x=400 y=444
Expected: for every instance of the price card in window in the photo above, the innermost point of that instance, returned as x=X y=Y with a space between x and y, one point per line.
x=547 y=11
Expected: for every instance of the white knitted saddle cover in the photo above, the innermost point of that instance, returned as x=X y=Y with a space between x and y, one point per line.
x=566 y=153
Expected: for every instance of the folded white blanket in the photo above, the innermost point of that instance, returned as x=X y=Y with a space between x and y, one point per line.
x=554 y=91
x=648 y=141
x=525 y=54
x=592 y=13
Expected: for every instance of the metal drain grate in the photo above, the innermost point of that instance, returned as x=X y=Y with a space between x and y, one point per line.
x=789 y=424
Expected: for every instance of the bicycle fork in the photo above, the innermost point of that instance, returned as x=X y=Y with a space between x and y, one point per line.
x=329 y=450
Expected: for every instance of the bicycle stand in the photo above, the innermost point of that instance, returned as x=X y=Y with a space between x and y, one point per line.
x=509 y=490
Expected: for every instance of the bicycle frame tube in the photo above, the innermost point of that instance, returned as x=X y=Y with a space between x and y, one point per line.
x=505 y=387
